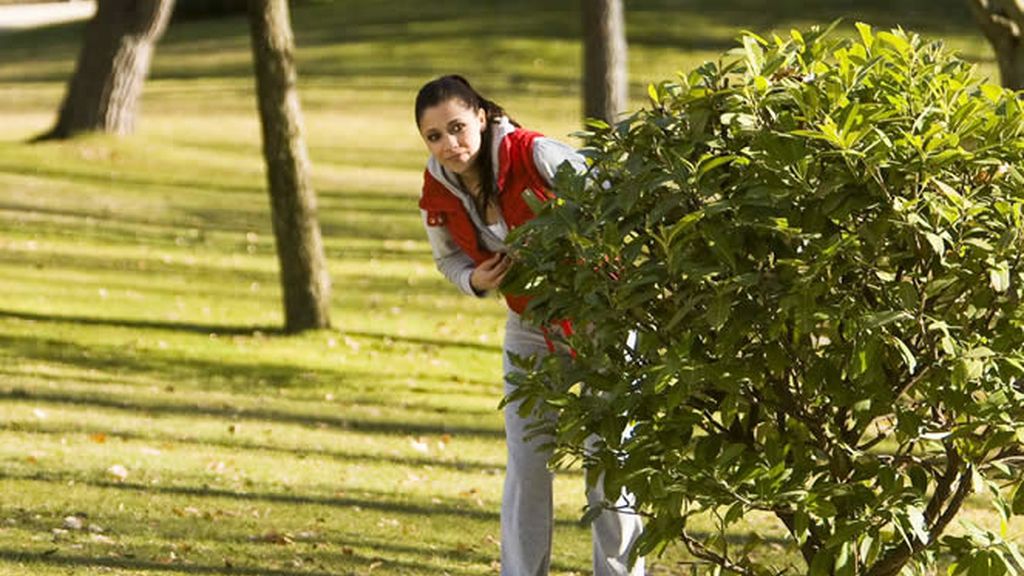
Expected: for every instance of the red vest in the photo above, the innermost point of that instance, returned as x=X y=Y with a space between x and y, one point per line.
x=516 y=174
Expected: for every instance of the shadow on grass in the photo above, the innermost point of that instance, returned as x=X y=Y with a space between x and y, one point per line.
x=468 y=553
x=224 y=329
x=370 y=426
x=55 y=557
x=203 y=329
x=239 y=444
x=58 y=559
x=378 y=501
x=338 y=218
x=103 y=180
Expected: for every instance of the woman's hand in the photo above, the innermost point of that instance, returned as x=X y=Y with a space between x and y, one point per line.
x=489 y=274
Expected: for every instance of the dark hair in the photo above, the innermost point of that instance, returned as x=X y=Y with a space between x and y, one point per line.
x=453 y=86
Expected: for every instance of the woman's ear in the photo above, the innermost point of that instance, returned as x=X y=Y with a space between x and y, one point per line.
x=482 y=115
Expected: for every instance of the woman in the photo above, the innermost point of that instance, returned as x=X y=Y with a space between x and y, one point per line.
x=481 y=163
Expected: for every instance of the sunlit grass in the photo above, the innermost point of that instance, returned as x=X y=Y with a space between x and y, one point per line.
x=145 y=387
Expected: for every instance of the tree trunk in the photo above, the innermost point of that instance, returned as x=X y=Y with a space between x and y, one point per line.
x=103 y=94
x=604 y=59
x=304 y=278
x=1002 y=21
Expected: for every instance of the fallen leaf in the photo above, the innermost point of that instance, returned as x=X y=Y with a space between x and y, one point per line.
x=98 y=438
x=352 y=344
x=189 y=511
x=40 y=414
x=273 y=537
x=73 y=523
x=101 y=539
x=419 y=445
x=119 y=472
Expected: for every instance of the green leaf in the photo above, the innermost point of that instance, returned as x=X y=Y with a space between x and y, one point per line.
x=967 y=370
x=684 y=223
x=918 y=525
x=908 y=357
x=754 y=52
x=865 y=34
x=936 y=242
x=845 y=564
x=999 y=276
x=709 y=163
x=949 y=192
x=896 y=41
x=652 y=93
x=1018 y=499
x=879 y=319
x=735 y=513
x=821 y=564
x=992 y=92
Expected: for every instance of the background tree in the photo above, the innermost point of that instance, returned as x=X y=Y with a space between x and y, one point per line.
x=304 y=277
x=104 y=91
x=798 y=278
x=1002 y=21
x=605 y=79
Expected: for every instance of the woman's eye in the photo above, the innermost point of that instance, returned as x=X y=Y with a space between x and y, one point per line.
x=432 y=138
x=457 y=127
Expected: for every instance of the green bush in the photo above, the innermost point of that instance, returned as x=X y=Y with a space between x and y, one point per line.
x=815 y=245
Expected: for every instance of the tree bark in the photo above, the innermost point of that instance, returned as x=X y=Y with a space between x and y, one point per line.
x=1002 y=21
x=304 y=277
x=604 y=59
x=104 y=92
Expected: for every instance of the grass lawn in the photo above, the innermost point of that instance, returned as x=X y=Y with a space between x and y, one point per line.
x=152 y=418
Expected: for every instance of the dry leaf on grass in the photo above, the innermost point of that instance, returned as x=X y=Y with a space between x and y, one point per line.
x=419 y=445
x=274 y=537
x=119 y=472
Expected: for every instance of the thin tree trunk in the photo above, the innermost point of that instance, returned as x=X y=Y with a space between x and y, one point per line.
x=304 y=278
x=604 y=59
x=104 y=92
x=1002 y=21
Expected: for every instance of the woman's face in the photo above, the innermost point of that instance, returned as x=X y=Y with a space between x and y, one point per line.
x=452 y=132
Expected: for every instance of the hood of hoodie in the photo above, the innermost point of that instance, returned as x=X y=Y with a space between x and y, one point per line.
x=502 y=127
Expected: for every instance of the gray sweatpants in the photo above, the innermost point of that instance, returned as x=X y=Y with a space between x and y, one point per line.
x=527 y=517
